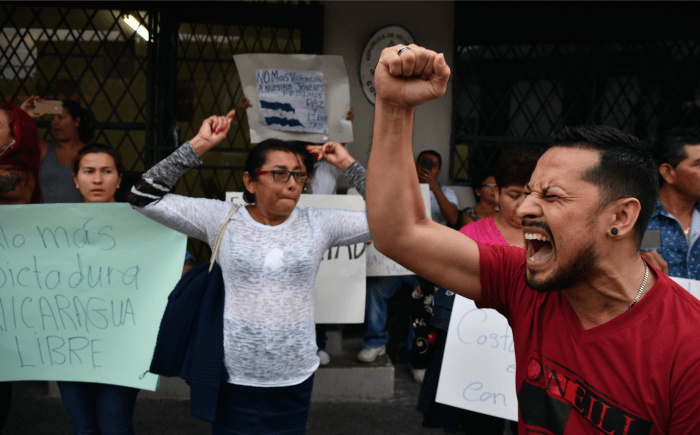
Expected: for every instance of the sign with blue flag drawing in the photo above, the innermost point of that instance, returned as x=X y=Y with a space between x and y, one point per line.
x=296 y=97
x=292 y=100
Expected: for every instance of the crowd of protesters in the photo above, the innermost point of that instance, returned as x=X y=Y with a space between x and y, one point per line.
x=553 y=243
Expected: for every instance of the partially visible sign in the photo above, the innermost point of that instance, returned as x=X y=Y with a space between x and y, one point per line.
x=384 y=37
x=296 y=97
x=478 y=368
x=339 y=291
x=379 y=264
x=692 y=285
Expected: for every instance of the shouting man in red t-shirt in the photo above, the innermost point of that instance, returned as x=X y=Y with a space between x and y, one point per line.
x=604 y=343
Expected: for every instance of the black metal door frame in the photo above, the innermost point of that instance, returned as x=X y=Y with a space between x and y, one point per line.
x=160 y=64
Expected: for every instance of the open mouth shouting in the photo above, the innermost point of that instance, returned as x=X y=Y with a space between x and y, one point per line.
x=538 y=247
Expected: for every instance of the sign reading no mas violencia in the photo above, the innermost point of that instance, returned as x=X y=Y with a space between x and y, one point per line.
x=292 y=100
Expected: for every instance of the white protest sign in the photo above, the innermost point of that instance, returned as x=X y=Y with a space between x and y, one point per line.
x=339 y=292
x=379 y=264
x=478 y=368
x=296 y=97
x=692 y=285
x=292 y=100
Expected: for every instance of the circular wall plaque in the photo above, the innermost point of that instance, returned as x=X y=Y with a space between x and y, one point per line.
x=381 y=39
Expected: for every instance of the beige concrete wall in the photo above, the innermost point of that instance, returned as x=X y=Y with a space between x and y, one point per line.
x=348 y=26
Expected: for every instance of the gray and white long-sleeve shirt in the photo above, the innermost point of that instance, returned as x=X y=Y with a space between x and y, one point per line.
x=269 y=271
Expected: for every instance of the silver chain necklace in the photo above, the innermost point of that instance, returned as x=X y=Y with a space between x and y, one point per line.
x=641 y=289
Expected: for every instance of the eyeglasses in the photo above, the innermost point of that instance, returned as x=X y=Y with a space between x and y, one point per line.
x=488 y=185
x=283 y=176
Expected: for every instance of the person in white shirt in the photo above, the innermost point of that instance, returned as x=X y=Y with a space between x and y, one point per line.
x=269 y=255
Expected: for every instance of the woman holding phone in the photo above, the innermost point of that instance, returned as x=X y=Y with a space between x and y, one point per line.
x=72 y=129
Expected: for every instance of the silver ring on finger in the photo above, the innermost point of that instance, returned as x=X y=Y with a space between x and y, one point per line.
x=402 y=49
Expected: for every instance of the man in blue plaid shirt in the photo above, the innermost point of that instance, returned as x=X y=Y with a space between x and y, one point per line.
x=677 y=212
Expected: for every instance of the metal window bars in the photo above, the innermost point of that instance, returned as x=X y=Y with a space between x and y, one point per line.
x=517 y=80
x=150 y=87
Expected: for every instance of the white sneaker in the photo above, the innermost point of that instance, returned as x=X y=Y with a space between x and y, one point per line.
x=324 y=357
x=369 y=354
x=418 y=375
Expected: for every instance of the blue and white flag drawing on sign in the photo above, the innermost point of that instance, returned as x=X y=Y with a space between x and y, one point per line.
x=292 y=100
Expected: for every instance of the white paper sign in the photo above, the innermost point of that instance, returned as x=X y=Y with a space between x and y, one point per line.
x=692 y=285
x=478 y=369
x=297 y=80
x=292 y=100
x=379 y=264
x=339 y=292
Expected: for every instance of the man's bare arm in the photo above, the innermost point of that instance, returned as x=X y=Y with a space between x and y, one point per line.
x=395 y=210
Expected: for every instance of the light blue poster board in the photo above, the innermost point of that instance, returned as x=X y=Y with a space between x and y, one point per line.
x=83 y=288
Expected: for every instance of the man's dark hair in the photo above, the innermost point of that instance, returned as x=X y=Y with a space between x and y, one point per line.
x=258 y=157
x=432 y=153
x=515 y=167
x=670 y=147
x=626 y=168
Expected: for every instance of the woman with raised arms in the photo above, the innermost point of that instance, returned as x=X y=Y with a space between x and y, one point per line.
x=269 y=256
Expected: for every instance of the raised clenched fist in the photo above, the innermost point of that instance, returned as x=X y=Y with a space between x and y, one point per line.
x=411 y=78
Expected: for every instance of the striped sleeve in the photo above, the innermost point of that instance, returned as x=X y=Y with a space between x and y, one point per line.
x=158 y=180
x=357 y=175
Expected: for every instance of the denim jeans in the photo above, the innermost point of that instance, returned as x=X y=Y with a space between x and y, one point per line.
x=379 y=291
x=244 y=410
x=99 y=409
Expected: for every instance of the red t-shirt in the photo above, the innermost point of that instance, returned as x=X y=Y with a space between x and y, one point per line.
x=637 y=374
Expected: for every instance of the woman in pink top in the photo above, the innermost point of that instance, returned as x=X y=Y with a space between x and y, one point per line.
x=503 y=228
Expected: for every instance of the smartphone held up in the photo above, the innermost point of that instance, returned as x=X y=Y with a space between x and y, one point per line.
x=48 y=107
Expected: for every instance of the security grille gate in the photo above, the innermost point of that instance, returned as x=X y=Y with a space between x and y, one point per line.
x=151 y=83
x=87 y=55
x=529 y=69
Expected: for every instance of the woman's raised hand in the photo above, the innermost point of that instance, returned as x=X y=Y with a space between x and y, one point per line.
x=212 y=131
x=414 y=77
x=334 y=153
x=28 y=106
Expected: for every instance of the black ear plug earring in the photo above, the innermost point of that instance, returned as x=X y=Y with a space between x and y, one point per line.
x=614 y=231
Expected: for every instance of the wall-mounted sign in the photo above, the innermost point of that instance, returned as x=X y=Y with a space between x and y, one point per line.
x=381 y=39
